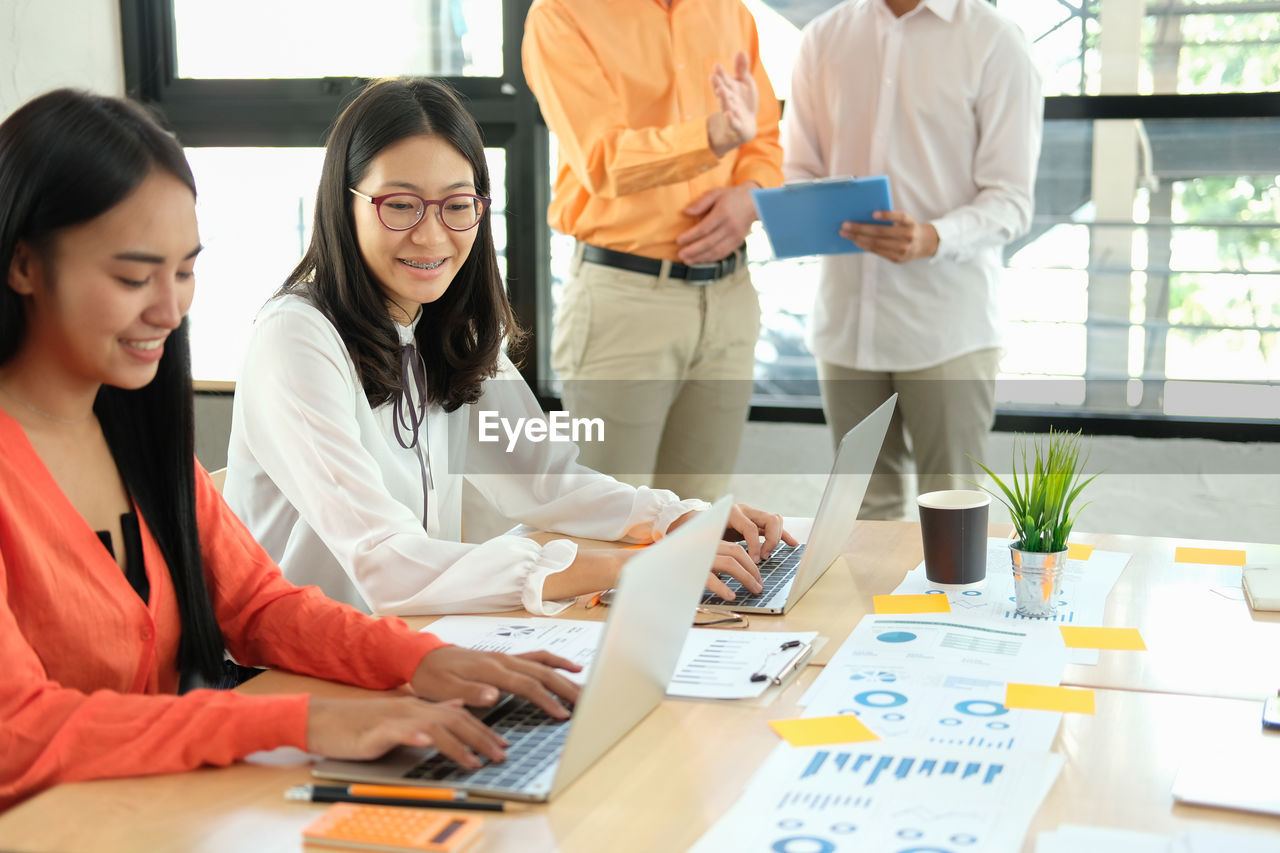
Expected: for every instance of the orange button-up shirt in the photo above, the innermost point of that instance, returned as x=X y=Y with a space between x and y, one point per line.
x=625 y=87
x=87 y=668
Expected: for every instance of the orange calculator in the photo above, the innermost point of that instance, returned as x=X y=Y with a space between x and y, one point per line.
x=360 y=827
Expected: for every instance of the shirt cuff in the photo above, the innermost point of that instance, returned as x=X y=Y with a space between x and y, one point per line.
x=692 y=141
x=553 y=557
x=948 y=249
x=417 y=645
x=674 y=510
x=277 y=720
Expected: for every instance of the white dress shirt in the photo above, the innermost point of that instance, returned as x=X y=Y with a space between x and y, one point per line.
x=320 y=480
x=945 y=101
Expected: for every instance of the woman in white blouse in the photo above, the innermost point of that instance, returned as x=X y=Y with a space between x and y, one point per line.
x=357 y=414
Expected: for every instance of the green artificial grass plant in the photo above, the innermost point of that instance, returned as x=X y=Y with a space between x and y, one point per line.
x=1041 y=499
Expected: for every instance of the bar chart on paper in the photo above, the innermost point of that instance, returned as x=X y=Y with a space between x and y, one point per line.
x=885 y=797
x=820 y=801
x=869 y=769
x=727 y=660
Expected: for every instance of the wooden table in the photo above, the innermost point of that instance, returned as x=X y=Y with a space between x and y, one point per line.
x=665 y=783
x=1121 y=762
x=1201 y=636
x=1202 y=639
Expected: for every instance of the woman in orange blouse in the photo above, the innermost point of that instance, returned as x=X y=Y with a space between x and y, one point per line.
x=123 y=575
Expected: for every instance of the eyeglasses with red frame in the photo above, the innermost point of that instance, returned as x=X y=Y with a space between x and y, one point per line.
x=402 y=211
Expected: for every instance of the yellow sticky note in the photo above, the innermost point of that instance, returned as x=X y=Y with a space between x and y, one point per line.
x=924 y=603
x=1078 y=551
x=1039 y=697
x=1209 y=556
x=1077 y=637
x=816 y=731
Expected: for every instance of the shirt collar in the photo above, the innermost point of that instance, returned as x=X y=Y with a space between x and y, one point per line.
x=944 y=9
x=406 y=332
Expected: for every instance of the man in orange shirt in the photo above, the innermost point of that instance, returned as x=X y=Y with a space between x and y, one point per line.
x=659 y=146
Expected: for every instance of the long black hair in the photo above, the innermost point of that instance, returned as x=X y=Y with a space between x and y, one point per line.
x=460 y=334
x=67 y=157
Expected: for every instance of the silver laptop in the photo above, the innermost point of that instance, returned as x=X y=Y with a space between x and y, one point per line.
x=790 y=571
x=652 y=610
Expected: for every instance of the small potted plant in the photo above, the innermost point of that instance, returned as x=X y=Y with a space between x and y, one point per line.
x=1040 y=501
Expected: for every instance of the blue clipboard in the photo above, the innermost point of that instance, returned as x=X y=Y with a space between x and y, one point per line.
x=804 y=218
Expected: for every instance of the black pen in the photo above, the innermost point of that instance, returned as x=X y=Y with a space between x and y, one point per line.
x=379 y=795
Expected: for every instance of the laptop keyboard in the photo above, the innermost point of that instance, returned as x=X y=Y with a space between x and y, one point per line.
x=536 y=740
x=776 y=573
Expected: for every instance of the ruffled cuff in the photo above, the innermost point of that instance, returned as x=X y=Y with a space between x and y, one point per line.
x=671 y=511
x=553 y=557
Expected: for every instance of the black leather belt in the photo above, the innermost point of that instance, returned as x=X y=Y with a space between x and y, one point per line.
x=652 y=266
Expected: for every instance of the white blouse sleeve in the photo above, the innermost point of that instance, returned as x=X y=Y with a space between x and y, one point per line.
x=1009 y=111
x=298 y=420
x=541 y=482
x=806 y=127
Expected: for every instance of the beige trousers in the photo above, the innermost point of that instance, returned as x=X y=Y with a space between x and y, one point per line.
x=668 y=368
x=944 y=414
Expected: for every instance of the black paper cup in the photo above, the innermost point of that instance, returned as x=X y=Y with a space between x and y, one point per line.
x=953 y=525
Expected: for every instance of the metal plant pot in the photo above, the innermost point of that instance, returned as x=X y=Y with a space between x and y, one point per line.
x=1037 y=581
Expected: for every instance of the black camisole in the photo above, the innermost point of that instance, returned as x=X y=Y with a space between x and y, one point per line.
x=135 y=570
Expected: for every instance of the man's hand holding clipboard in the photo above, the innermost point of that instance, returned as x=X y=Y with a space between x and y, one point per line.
x=903 y=240
x=810 y=217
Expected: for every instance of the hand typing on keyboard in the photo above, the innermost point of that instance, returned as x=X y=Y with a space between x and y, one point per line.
x=776 y=574
x=759 y=533
x=452 y=672
x=367 y=728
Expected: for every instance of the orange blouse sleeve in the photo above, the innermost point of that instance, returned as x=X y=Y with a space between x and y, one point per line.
x=50 y=733
x=267 y=621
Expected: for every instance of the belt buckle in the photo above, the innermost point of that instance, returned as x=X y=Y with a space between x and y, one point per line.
x=703 y=282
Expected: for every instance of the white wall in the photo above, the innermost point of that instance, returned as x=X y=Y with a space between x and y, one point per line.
x=45 y=44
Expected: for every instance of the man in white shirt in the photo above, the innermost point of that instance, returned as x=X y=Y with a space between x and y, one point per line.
x=942 y=96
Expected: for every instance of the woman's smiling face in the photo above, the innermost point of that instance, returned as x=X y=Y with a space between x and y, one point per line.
x=416 y=266
x=104 y=296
